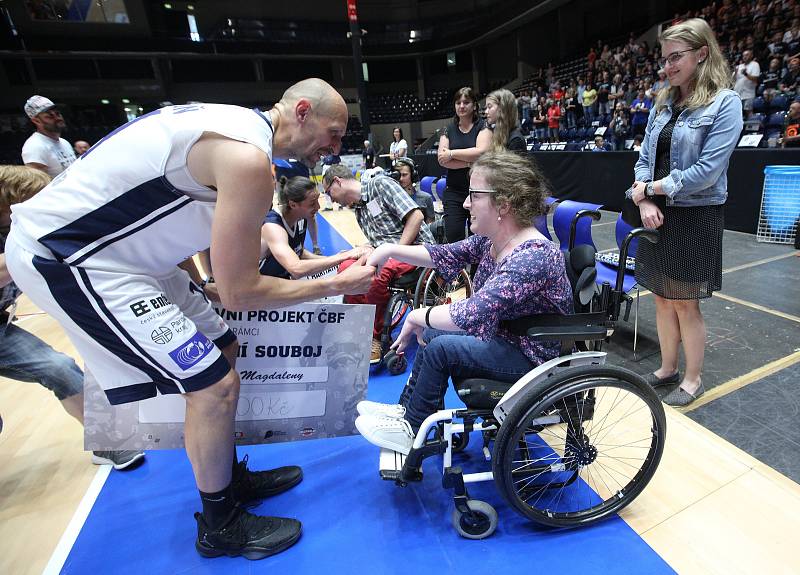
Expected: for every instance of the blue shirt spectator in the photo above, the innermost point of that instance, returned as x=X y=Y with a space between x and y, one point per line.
x=640 y=110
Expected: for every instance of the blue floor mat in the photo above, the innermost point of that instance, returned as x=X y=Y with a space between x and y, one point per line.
x=352 y=521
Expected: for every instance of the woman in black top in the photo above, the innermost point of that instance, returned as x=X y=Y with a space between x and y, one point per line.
x=501 y=115
x=462 y=143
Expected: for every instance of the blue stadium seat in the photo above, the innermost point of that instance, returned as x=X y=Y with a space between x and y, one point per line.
x=775 y=120
x=426 y=183
x=759 y=105
x=562 y=220
x=779 y=103
x=440 y=186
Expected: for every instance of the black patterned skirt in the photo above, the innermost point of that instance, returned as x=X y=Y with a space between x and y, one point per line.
x=686 y=263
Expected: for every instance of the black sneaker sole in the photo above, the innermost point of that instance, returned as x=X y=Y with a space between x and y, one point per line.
x=251 y=553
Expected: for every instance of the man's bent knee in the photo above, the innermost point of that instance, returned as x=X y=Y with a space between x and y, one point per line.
x=225 y=390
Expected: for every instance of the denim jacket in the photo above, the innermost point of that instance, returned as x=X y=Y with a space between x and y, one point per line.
x=702 y=142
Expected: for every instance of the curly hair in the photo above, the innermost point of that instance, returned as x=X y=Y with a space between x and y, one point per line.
x=19 y=183
x=517 y=182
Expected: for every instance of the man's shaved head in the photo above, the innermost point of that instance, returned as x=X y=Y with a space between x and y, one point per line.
x=312 y=120
x=322 y=96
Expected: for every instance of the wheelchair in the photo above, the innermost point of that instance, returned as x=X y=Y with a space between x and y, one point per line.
x=572 y=442
x=423 y=287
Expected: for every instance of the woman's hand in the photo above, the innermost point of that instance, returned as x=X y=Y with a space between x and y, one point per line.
x=443 y=155
x=412 y=328
x=651 y=215
x=638 y=192
x=379 y=255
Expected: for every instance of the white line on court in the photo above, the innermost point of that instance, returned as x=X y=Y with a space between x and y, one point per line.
x=61 y=552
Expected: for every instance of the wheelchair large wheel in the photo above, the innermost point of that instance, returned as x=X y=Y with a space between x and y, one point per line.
x=432 y=290
x=580 y=446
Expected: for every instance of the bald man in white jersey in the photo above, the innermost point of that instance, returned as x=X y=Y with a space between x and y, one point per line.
x=98 y=249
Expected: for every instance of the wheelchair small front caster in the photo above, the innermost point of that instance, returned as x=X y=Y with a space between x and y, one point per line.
x=396 y=364
x=479 y=524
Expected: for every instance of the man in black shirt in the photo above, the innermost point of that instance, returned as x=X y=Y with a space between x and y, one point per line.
x=791 y=132
x=603 y=91
x=790 y=78
x=368 y=155
x=771 y=77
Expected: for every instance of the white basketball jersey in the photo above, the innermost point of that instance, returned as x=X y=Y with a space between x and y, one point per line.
x=129 y=203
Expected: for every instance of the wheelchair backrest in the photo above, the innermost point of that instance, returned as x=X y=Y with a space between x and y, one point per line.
x=579 y=262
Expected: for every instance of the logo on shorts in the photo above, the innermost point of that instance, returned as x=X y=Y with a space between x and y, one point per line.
x=192 y=351
x=161 y=335
x=145 y=306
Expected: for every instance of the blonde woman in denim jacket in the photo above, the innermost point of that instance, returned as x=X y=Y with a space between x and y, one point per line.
x=680 y=188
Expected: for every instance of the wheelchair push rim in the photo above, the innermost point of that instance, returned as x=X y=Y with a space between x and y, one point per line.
x=432 y=290
x=579 y=449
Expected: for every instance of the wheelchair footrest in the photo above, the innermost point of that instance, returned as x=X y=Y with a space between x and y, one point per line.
x=391 y=465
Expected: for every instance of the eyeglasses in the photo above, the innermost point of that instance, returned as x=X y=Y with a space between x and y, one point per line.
x=674 y=58
x=328 y=189
x=476 y=191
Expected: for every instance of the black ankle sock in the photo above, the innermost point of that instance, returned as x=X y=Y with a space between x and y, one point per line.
x=234 y=465
x=217 y=506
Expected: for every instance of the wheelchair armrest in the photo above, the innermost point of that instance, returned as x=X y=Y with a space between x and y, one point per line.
x=532 y=324
x=568 y=333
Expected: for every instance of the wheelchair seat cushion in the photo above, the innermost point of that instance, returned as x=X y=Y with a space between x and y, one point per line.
x=479 y=393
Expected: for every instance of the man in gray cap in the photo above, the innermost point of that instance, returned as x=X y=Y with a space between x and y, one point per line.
x=46 y=150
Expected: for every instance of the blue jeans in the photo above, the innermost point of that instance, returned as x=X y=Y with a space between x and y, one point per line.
x=459 y=356
x=25 y=357
x=588 y=114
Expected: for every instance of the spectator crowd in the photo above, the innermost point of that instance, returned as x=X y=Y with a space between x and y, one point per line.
x=615 y=89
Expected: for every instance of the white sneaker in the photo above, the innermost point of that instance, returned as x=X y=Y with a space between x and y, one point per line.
x=392 y=410
x=394 y=434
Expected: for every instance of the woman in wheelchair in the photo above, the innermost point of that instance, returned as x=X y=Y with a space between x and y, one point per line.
x=284 y=232
x=519 y=273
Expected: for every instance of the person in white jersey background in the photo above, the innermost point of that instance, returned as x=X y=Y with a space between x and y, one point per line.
x=45 y=149
x=98 y=248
